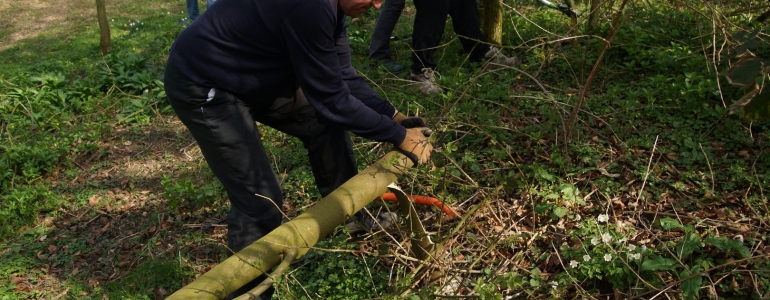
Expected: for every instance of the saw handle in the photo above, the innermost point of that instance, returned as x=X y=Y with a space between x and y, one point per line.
x=422 y=200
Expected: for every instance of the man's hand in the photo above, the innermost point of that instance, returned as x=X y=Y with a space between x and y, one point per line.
x=416 y=145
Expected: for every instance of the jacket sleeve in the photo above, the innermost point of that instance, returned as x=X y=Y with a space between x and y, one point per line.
x=355 y=82
x=308 y=33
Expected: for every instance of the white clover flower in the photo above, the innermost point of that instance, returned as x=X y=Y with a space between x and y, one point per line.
x=113 y=20
x=586 y=257
x=607 y=257
x=636 y=256
x=644 y=248
x=621 y=241
x=606 y=237
x=573 y=263
x=594 y=241
x=554 y=284
x=603 y=218
x=631 y=247
x=578 y=218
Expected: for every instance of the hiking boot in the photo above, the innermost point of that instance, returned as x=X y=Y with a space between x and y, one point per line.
x=494 y=55
x=369 y=224
x=390 y=66
x=427 y=81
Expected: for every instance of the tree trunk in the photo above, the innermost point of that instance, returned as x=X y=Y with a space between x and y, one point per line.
x=593 y=15
x=104 y=27
x=492 y=20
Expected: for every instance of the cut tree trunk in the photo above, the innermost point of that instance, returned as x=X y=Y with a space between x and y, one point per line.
x=301 y=233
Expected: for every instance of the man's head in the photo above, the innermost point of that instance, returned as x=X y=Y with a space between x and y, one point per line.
x=355 y=8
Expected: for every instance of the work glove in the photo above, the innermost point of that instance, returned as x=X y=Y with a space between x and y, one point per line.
x=412 y=122
x=416 y=146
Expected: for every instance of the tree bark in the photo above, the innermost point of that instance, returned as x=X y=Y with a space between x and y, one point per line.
x=104 y=27
x=492 y=20
x=593 y=15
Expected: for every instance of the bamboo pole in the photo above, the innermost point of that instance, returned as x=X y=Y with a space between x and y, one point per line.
x=301 y=233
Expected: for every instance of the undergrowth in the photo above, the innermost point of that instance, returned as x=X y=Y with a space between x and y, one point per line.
x=655 y=190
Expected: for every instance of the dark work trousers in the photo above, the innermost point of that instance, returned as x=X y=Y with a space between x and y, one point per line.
x=429 y=23
x=225 y=128
x=383 y=29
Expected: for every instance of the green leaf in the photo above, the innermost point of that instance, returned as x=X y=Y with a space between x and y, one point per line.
x=560 y=211
x=669 y=223
x=691 y=286
x=759 y=107
x=547 y=176
x=534 y=282
x=551 y=196
x=744 y=72
x=658 y=263
x=687 y=245
x=726 y=244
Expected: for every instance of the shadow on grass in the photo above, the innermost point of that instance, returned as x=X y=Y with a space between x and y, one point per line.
x=116 y=235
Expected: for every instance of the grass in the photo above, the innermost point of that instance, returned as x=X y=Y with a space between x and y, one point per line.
x=657 y=191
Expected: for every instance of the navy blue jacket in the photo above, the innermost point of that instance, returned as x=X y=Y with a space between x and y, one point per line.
x=255 y=48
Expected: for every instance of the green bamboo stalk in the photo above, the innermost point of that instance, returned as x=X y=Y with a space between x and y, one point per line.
x=301 y=233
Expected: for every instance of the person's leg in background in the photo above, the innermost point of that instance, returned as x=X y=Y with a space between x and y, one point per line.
x=192 y=9
x=379 y=50
x=467 y=25
x=429 y=22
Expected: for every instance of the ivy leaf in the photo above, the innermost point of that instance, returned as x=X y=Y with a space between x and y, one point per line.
x=658 y=263
x=669 y=223
x=691 y=286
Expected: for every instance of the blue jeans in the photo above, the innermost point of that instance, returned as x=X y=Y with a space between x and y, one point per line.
x=386 y=22
x=192 y=8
